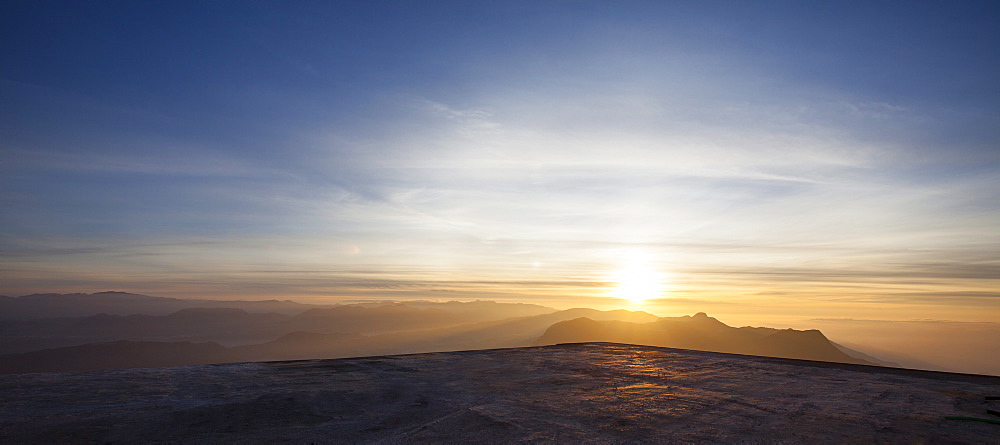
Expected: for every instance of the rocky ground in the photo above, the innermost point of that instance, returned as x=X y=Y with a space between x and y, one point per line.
x=566 y=393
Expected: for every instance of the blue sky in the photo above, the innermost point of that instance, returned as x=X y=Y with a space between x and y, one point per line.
x=837 y=158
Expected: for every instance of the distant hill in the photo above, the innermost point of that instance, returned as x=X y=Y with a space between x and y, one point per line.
x=701 y=332
x=38 y=306
x=485 y=309
x=506 y=333
x=234 y=326
x=227 y=334
x=194 y=324
x=52 y=305
x=510 y=332
x=409 y=316
x=305 y=345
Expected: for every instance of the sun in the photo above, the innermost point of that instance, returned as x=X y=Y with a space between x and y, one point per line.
x=637 y=283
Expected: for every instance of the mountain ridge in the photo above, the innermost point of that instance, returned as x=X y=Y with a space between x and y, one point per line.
x=704 y=333
x=55 y=305
x=631 y=327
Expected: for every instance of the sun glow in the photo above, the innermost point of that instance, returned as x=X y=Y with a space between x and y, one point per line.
x=637 y=282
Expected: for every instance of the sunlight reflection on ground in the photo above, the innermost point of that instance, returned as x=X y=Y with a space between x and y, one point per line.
x=568 y=393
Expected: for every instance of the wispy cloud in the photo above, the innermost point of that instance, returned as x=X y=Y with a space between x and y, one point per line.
x=790 y=165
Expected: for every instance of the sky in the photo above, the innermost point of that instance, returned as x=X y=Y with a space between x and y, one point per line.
x=757 y=159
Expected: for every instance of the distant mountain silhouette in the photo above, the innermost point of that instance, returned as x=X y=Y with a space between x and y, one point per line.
x=224 y=325
x=234 y=326
x=510 y=332
x=701 y=332
x=409 y=316
x=38 y=306
x=51 y=305
x=304 y=345
x=193 y=335
x=194 y=324
x=481 y=310
x=388 y=318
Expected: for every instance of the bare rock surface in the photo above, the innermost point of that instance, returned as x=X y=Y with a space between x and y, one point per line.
x=578 y=393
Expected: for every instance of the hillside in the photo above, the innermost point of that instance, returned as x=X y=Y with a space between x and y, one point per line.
x=331 y=342
x=703 y=333
x=582 y=393
x=333 y=333
x=39 y=306
x=237 y=326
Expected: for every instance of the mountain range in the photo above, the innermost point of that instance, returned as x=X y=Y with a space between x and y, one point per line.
x=41 y=306
x=230 y=323
x=245 y=331
x=703 y=333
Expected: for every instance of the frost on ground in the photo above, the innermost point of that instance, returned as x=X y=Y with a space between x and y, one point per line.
x=568 y=393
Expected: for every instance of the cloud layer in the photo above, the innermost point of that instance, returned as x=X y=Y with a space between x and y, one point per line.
x=831 y=161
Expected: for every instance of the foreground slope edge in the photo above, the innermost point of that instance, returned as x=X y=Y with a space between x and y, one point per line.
x=573 y=392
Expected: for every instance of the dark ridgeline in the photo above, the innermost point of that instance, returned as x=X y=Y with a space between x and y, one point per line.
x=229 y=326
x=704 y=333
x=49 y=306
x=204 y=335
x=38 y=306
